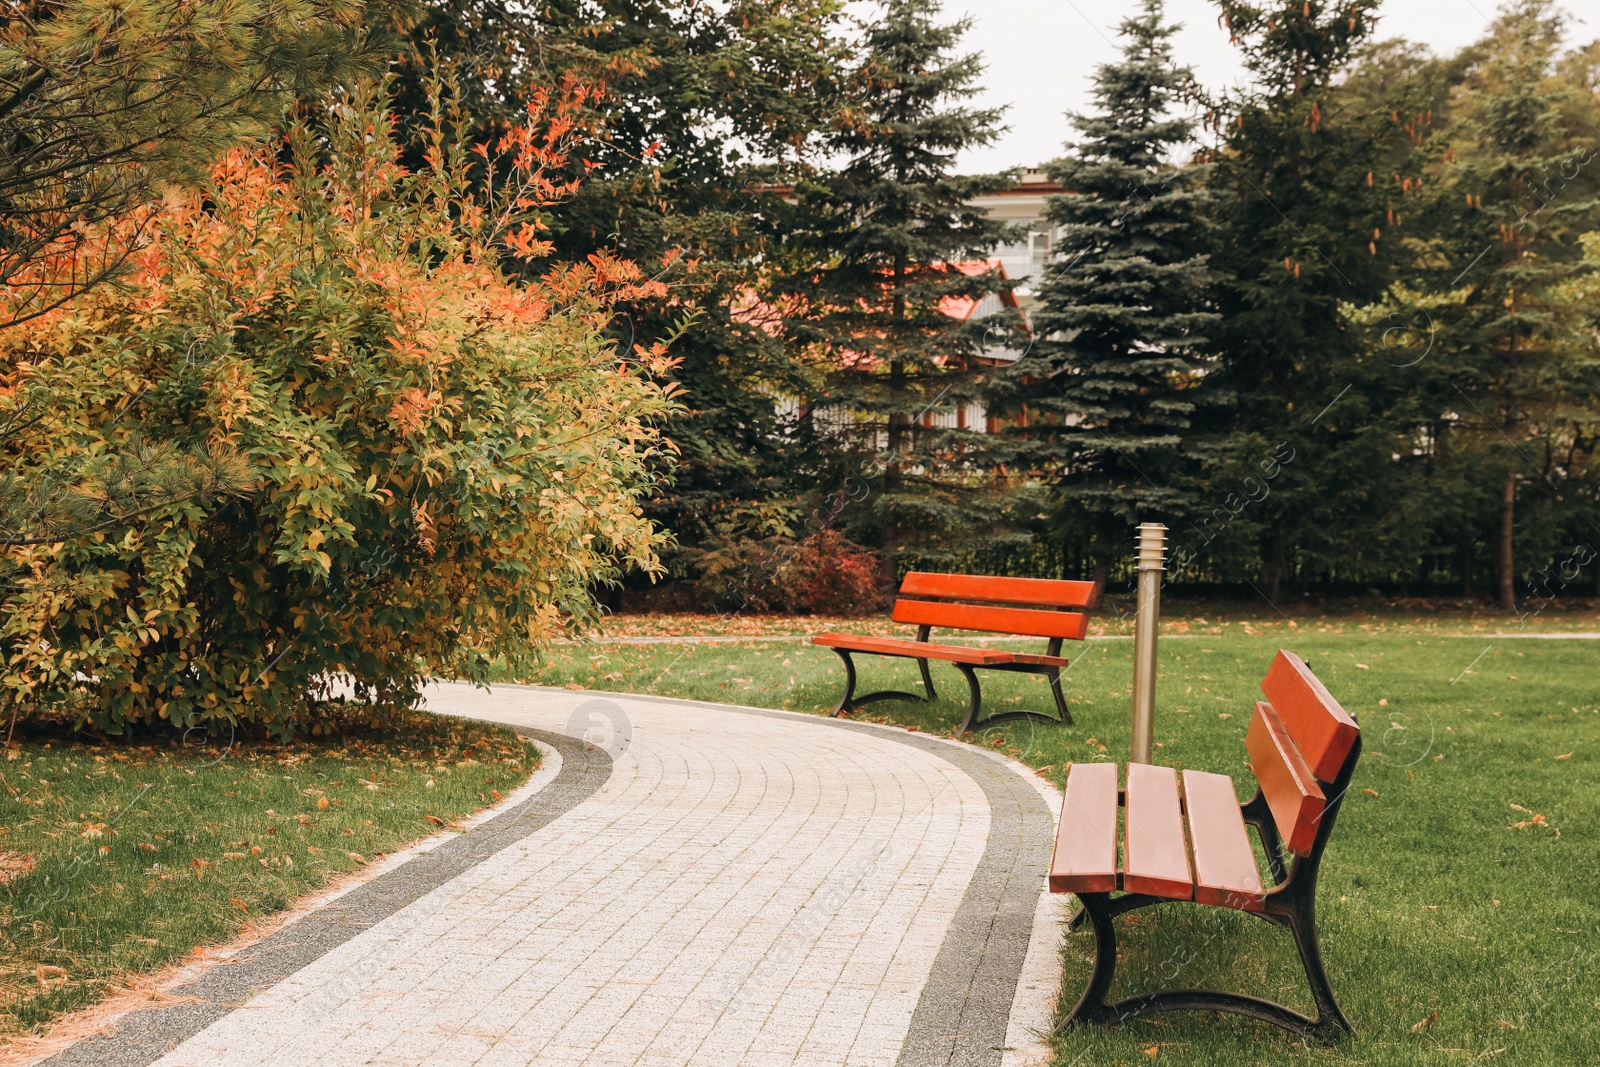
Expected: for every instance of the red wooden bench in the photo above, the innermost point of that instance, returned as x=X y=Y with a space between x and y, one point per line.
x=1029 y=607
x=1302 y=748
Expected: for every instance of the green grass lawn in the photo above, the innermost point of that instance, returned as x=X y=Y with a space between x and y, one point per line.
x=118 y=859
x=1460 y=896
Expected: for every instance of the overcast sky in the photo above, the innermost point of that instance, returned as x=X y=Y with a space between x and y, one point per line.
x=1040 y=55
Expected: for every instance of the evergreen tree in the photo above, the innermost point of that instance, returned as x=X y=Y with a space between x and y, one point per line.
x=1109 y=388
x=1305 y=201
x=1517 y=388
x=887 y=252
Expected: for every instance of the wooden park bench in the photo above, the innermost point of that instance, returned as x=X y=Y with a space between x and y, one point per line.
x=1027 y=607
x=1302 y=748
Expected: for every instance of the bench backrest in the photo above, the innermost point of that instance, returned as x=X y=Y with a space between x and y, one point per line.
x=1030 y=606
x=1299 y=741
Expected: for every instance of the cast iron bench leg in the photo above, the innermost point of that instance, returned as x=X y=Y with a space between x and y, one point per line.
x=1115 y=906
x=1061 y=701
x=1100 y=909
x=1330 y=1020
x=849 y=702
x=845 y=702
x=974 y=722
x=1092 y=1006
x=975 y=692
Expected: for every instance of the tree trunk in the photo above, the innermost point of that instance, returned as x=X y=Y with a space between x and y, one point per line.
x=1271 y=570
x=890 y=560
x=1508 y=504
x=888 y=573
x=889 y=530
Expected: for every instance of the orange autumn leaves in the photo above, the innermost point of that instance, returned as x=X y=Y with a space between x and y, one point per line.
x=445 y=455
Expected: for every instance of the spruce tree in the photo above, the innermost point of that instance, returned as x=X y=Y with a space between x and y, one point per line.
x=1109 y=388
x=889 y=247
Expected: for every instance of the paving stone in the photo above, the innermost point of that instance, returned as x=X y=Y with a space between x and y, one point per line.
x=742 y=888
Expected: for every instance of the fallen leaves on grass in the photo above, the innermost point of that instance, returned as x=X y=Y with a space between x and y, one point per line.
x=14 y=865
x=435 y=820
x=1432 y=1018
x=1371 y=793
x=221 y=810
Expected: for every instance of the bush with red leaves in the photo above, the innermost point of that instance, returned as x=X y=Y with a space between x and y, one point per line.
x=825 y=574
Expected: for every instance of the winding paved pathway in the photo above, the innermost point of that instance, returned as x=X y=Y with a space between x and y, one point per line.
x=690 y=884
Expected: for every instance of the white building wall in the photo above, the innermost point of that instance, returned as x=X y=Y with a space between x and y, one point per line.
x=1025 y=206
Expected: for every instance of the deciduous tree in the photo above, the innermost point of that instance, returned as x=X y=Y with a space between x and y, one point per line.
x=104 y=103
x=436 y=463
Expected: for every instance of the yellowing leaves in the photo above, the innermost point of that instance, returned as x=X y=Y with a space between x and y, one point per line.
x=444 y=457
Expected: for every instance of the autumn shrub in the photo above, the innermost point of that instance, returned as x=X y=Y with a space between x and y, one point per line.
x=829 y=575
x=741 y=574
x=377 y=439
x=822 y=574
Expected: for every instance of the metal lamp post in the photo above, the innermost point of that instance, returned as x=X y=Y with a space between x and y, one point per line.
x=1152 y=545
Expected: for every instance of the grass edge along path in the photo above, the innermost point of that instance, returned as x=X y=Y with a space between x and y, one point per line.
x=1459 y=901
x=124 y=859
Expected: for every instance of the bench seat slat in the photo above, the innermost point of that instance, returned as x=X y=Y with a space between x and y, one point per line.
x=1064 y=624
x=1039 y=659
x=1085 y=859
x=897 y=646
x=1291 y=790
x=1225 y=872
x=1042 y=592
x=1156 y=857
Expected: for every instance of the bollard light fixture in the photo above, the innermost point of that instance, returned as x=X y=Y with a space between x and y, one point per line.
x=1151 y=564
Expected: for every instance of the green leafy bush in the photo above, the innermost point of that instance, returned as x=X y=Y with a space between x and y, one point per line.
x=402 y=461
